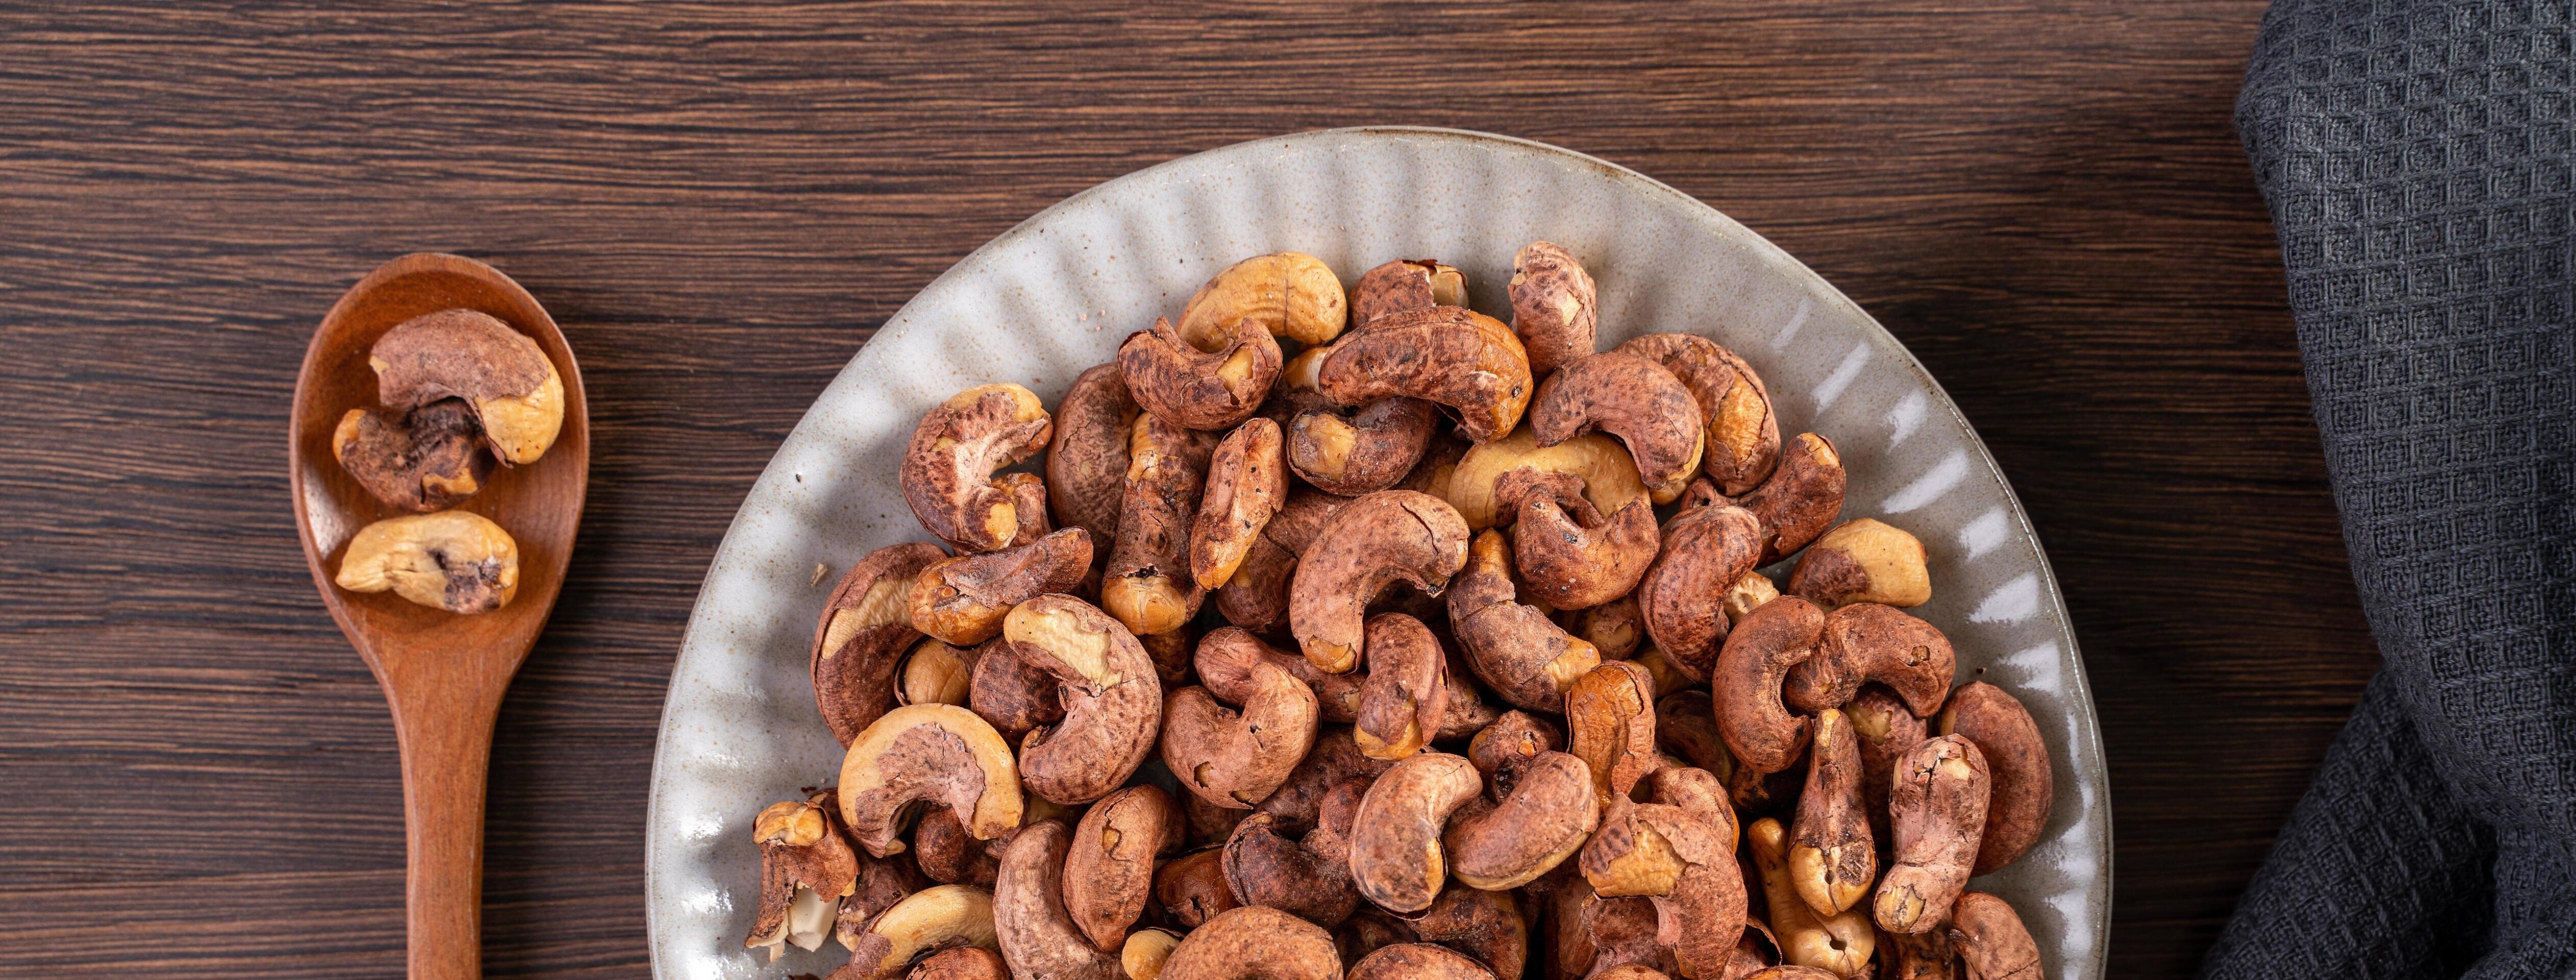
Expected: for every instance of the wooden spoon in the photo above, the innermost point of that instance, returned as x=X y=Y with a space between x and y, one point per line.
x=442 y=673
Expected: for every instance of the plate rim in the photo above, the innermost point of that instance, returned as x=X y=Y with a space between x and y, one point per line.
x=2079 y=683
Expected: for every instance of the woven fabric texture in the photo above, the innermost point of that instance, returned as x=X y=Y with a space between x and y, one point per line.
x=2417 y=160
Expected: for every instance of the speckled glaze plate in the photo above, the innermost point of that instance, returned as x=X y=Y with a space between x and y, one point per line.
x=1056 y=295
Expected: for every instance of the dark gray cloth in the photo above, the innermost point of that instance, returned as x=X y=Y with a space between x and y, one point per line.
x=2416 y=157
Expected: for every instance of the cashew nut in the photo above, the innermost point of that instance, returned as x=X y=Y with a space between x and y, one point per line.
x=1086 y=464
x=1037 y=934
x=1396 y=857
x=962 y=600
x=865 y=625
x=1335 y=760
x=1570 y=555
x=1887 y=730
x=1146 y=951
x=1406 y=696
x=1255 y=943
x=1706 y=552
x=1801 y=497
x=1660 y=850
x=1863 y=561
x=1308 y=879
x=1375 y=541
x=1256 y=598
x=1743 y=435
x=1832 y=858
x=1226 y=660
x=1502 y=749
x=1235 y=759
x=2017 y=759
x=1368 y=930
x=945 y=917
x=1290 y=294
x=962 y=963
x=1748 y=594
x=936 y=752
x=1761 y=732
x=1610 y=479
x=1192 y=888
x=1610 y=718
x=1617 y=932
x=1211 y=390
x=947 y=472
x=1147 y=583
x=1634 y=399
x=882 y=883
x=1870 y=642
x=1109 y=862
x=1992 y=941
x=1840 y=944
x=1926 y=955
x=1448 y=355
x=936 y=673
x=1113 y=700
x=1614 y=628
x=517 y=394
x=1348 y=452
x=430 y=458
x=1245 y=485
x=1486 y=925
x=945 y=853
x=1405 y=284
x=1029 y=503
x=806 y=868
x=1553 y=303
x=452 y=560
x=1551 y=811
x=1513 y=648
x=1417 y=961
x=1937 y=808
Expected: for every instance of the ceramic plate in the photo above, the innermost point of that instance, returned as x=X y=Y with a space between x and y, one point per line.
x=1056 y=295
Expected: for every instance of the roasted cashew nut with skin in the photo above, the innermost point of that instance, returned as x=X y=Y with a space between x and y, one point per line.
x=1405 y=284
x=806 y=868
x=1255 y=943
x=1706 y=552
x=1206 y=390
x=1351 y=452
x=1086 y=464
x=1863 y=561
x=1109 y=862
x=1832 y=856
x=2025 y=788
x=1446 y=355
x=1937 y=809
x=1192 y=888
x=1609 y=476
x=1227 y=660
x=1991 y=939
x=1113 y=699
x=1246 y=483
x=1757 y=658
x=454 y=560
x=1486 y=925
x=961 y=963
x=1309 y=879
x=1840 y=944
x=1237 y=759
x=1406 y=696
x=1743 y=436
x=1610 y=720
x=947 y=472
x=1290 y=294
x=935 y=752
x=516 y=393
x=1514 y=648
x=962 y=600
x=1887 y=730
x=1553 y=301
x=1634 y=399
x=1375 y=541
x=865 y=625
x=1417 y=961
x=1037 y=933
x=1256 y=598
x=1867 y=643
x=1550 y=812
x=1147 y=583
x=933 y=918
x=427 y=459
x=1801 y=498
x=1660 y=850
x=1396 y=857
x=1570 y=555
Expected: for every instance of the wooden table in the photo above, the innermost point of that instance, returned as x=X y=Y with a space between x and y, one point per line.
x=720 y=202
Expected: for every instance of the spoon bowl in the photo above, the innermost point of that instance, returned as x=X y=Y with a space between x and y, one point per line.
x=443 y=674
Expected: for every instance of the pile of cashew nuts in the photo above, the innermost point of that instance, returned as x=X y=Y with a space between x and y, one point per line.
x=1462 y=707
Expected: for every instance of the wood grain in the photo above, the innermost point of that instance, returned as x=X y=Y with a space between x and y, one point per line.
x=720 y=202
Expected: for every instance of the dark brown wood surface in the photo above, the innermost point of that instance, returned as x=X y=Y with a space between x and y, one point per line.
x=719 y=202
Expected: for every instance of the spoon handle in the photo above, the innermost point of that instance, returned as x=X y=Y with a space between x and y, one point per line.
x=446 y=735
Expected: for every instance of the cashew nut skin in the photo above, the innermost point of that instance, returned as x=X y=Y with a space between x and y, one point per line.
x=2025 y=789
x=1375 y=541
x=1630 y=971
x=1405 y=284
x=1840 y=944
x=1610 y=720
x=1887 y=730
x=1029 y=503
x=454 y=560
x=1038 y=935
x=1745 y=686
x=1551 y=811
x=1417 y=961
x=1553 y=302
x=1832 y=857
x=964 y=963
x=1255 y=943
x=1308 y=880
x=1290 y=294
x=962 y=600
x=865 y=626
x=1991 y=939
x=1113 y=699
x=1245 y=484
x=1609 y=476
x=1146 y=951
x=517 y=394
x=1086 y=467
x=1237 y=759
x=1406 y=696
x=1925 y=955
x=933 y=918
x=1634 y=399
x=1396 y=857
x=1615 y=932
x=1660 y=850
x=1743 y=435
x=1937 y=809
x=1192 y=888
x=1514 y=648
x=1109 y=863
x=1869 y=642
x=936 y=752
x=1448 y=355
x=1211 y=390
x=945 y=853
x=1571 y=556
x=1863 y=561
x=1706 y=551
x=802 y=848
x=1800 y=499
x=427 y=459
x=1486 y=925
x=1147 y=582
x=947 y=472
